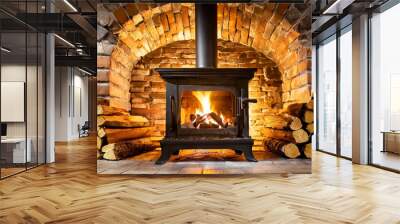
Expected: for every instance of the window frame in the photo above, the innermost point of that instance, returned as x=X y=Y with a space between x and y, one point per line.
x=334 y=37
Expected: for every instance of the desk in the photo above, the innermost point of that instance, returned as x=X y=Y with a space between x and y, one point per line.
x=13 y=150
x=391 y=141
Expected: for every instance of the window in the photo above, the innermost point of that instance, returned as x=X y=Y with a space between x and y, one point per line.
x=385 y=89
x=327 y=96
x=334 y=114
x=346 y=93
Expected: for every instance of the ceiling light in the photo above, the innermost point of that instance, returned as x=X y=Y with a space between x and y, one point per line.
x=65 y=41
x=70 y=5
x=84 y=71
x=5 y=50
x=337 y=7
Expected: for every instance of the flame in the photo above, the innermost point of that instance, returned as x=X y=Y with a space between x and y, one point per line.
x=204 y=97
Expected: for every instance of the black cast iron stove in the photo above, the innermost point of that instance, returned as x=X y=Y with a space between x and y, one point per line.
x=223 y=122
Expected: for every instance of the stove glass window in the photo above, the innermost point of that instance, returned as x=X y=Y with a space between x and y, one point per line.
x=207 y=109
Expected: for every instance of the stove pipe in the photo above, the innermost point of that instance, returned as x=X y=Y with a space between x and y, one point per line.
x=206 y=35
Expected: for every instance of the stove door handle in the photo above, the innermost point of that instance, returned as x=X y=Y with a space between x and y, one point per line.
x=173 y=114
x=247 y=101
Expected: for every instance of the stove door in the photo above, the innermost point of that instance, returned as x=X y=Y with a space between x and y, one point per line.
x=207 y=110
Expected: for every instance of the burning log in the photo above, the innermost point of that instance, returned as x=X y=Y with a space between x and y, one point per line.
x=107 y=110
x=122 y=150
x=285 y=148
x=118 y=135
x=217 y=119
x=200 y=121
x=122 y=121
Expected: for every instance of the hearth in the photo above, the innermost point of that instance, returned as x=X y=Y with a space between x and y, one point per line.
x=207 y=107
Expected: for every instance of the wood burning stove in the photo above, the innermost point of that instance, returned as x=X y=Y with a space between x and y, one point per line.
x=222 y=123
x=207 y=107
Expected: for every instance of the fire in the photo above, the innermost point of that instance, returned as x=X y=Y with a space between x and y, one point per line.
x=204 y=97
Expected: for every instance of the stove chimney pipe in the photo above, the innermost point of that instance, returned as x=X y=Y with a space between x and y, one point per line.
x=206 y=35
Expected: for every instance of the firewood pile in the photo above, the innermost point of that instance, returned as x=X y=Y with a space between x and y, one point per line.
x=121 y=135
x=289 y=133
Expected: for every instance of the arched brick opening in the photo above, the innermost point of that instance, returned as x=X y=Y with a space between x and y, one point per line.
x=275 y=38
x=147 y=89
x=278 y=31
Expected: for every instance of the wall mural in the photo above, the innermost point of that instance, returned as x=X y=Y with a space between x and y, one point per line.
x=234 y=98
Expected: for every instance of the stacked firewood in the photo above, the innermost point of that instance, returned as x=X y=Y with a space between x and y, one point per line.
x=289 y=132
x=121 y=135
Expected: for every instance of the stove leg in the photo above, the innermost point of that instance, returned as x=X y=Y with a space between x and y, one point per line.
x=248 y=154
x=165 y=154
x=238 y=152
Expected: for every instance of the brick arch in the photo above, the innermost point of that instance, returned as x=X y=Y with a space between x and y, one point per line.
x=279 y=31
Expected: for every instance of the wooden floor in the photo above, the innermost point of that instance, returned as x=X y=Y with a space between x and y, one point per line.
x=70 y=191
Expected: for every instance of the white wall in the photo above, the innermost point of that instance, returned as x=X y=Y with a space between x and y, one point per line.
x=71 y=102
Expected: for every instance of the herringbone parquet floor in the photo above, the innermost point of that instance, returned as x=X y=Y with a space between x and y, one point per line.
x=70 y=191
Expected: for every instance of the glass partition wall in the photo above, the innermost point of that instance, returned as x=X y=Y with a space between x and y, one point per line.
x=334 y=93
x=22 y=77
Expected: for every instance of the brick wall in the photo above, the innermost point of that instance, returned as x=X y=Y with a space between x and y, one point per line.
x=281 y=32
x=135 y=38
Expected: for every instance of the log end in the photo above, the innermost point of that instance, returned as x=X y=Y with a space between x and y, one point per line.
x=308 y=151
x=291 y=151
